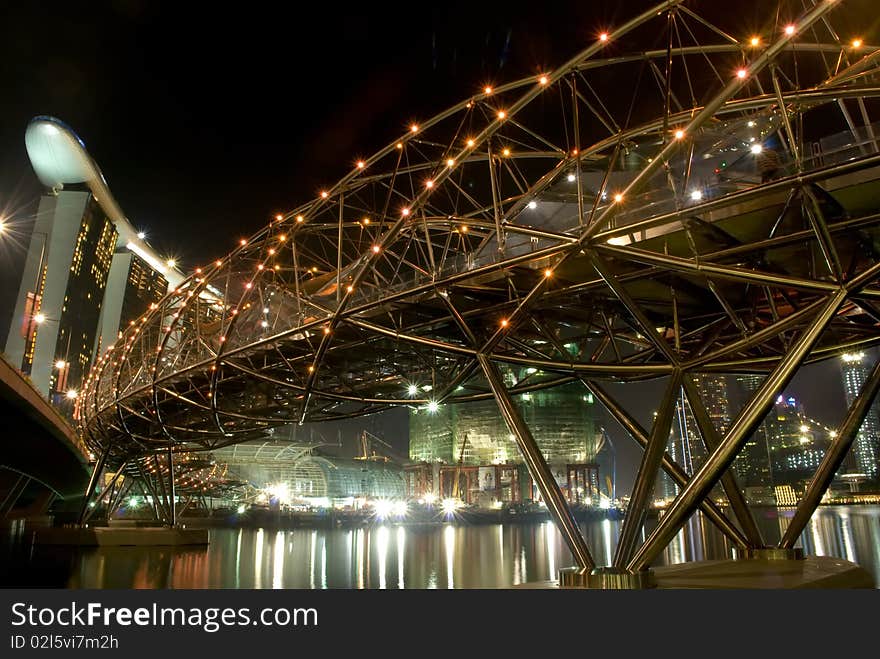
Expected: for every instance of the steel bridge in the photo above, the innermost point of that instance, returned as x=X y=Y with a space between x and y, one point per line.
x=609 y=220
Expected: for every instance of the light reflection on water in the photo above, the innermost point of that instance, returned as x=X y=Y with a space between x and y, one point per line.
x=486 y=556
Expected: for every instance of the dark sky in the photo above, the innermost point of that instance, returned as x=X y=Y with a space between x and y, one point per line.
x=207 y=119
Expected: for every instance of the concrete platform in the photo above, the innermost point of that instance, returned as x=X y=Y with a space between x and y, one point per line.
x=118 y=537
x=810 y=572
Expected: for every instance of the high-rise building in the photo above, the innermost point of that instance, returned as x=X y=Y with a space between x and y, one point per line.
x=132 y=287
x=686 y=444
x=87 y=270
x=752 y=465
x=865 y=451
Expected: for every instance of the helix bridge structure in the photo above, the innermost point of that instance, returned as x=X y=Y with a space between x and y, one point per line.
x=676 y=199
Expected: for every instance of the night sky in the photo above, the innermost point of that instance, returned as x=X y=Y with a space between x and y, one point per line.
x=207 y=120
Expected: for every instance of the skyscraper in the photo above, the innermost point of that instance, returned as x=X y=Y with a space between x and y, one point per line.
x=686 y=444
x=82 y=246
x=752 y=465
x=866 y=448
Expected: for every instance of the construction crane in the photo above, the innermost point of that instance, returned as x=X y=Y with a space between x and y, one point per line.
x=368 y=453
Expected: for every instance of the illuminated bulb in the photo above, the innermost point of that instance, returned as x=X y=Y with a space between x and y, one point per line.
x=533 y=205
x=679 y=134
x=755 y=41
x=603 y=37
x=741 y=73
x=789 y=30
x=271 y=251
x=265 y=324
x=376 y=249
x=218 y=263
x=696 y=195
x=543 y=80
x=198 y=271
x=548 y=273
x=299 y=218
x=429 y=184
x=399 y=145
x=501 y=114
x=60 y=364
x=618 y=197
x=326 y=330
x=414 y=128
x=757 y=148
x=412 y=390
x=260 y=266
x=361 y=164
x=265 y=309
x=470 y=142
x=242 y=242
x=311 y=369
x=405 y=212
x=487 y=90
x=324 y=194
x=856 y=43
x=141 y=235
x=282 y=237
x=349 y=288
x=505 y=152
x=433 y=406
x=464 y=228
x=504 y=322
x=248 y=285
x=279 y=217
x=450 y=162
x=72 y=393
x=40 y=318
x=571 y=178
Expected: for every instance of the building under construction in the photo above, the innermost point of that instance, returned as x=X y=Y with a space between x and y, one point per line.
x=467 y=450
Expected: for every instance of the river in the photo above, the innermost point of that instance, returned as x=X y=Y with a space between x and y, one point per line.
x=399 y=556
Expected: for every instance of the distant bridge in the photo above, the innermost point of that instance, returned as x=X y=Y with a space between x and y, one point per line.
x=38 y=447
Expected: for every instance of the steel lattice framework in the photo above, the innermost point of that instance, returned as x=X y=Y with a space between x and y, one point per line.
x=603 y=221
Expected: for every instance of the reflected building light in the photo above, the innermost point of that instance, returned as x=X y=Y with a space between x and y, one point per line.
x=449 y=547
x=382 y=551
x=401 y=539
x=849 y=552
x=258 y=560
x=312 y=560
x=278 y=562
x=818 y=540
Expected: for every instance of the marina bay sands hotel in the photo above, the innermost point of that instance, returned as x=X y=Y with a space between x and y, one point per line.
x=87 y=273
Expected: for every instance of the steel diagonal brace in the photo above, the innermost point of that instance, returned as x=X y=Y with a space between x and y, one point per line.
x=846 y=434
x=728 y=481
x=672 y=468
x=749 y=419
x=538 y=468
x=647 y=474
